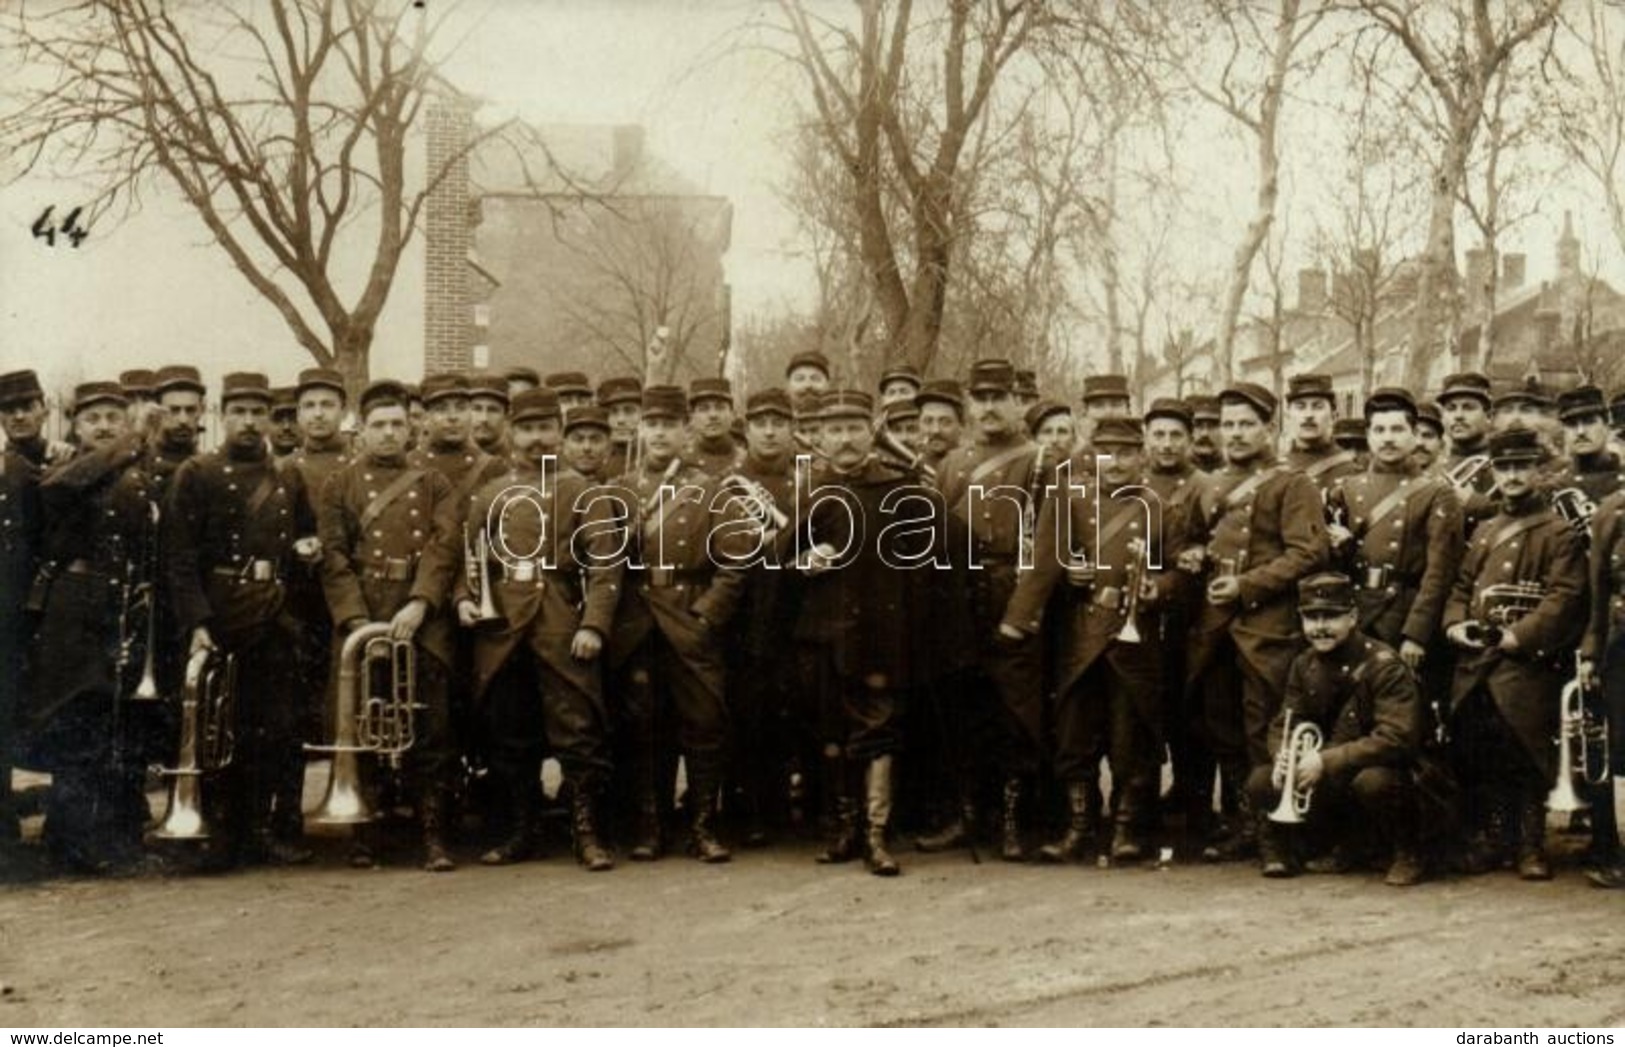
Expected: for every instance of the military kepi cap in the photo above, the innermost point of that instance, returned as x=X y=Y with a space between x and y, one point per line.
x=1326 y=591
x=491 y=386
x=87 y=393
x=1204 y=408
x=1349 y=434
x=382 y=391
x=942 y=391
x=1252 y=394
x=1428 y=413
x=1170 y=407
x=623 y=389
x=20 y=387
x=1307 y=386
x=665 y=401
x=1467 y=383
x=138 y=382
x=847 y=403
x=1390 y=398
x=320 y=378
x=710 y=389
x=816 y=360
x=284 y=398
x=769 y=401
x=1105 y=387
x=569 y=383
x=1582 y=402
x=992 y=376
x=442 y=386
x=178 y=376
x=533 y=405
x=241 y=385
x=1039 y=412
x=1118 y=432
x=900 y=373
x=1515 y=445
x=585 y=416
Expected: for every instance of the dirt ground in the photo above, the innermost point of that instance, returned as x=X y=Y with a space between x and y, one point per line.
x=774 y=939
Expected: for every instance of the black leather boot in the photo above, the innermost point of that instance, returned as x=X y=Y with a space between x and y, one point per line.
x=1011 y=849
x=956 y=833
x=840 y=815
x=1242 y=841
x=1274 y=851
x=522 y=842
x=1532 y=863
x=590 y=852
x=702 y=801
x=879 y=793
x=1079 y=829
x=433 y=817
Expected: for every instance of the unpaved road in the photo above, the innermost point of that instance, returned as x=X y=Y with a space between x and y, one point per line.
x=775 y=939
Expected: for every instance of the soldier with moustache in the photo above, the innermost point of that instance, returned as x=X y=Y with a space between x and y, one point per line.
x=488 y=413
x=942 y=420
x=1107 y=538
x=284 y=437
x=711 y=416
x=1177 y=484
x=871 y=628
x=1205 y=453
x=1465 y=401
x=1260 y=528
x=234 y=521
x=22 y=416
x=622 y=399
x=807 y=374
x=1358 y=693
x=391 y=546
x=1505 y=695
x=100 y=552
x=1429 y=451
x=667 y=659
x=554 y=585
x=988 y=487
x=1312 y=412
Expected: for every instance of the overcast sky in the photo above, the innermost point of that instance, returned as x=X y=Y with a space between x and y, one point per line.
x=153 y=290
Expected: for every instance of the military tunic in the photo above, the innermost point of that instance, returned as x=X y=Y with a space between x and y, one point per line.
x=20 y=523
x=1604 y=640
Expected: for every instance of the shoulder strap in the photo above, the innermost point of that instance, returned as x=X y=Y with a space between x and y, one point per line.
x=1514 y=528
x=1399 y=496
x=1240 y=493
x=471 y=480
x=1325 y=465
x=376 y=507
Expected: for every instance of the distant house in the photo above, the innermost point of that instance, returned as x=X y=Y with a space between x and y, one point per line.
x=569 y=247
x=1563 y=330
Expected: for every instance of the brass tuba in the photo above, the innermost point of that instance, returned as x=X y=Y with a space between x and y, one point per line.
x=368 y=721
x=1295 y=798
x=208 y=742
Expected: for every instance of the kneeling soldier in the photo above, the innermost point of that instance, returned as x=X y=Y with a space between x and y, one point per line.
x=1345 y=739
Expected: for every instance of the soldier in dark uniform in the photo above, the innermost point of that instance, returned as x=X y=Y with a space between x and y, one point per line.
x=989 y=487
x=666 y=652
x=1261 y=527
x=622 y=398
x=942 y=420
x=1602 y=667
x=285 y=437
x=586 y=442
x=572 y=388
x=807 y=372
x=447 y=446
x=1108 y=540
x=1429 y=451
x=1178 y=485
x=1312 y=415
x=488 y=413
x=1525 y=573
x=1050 y=425
x=181 y=396
x=77 y=721
x=711 y=417
x=1357 y=692
x=390 y=540
x=870 y=624
x=325 y=449
x=556 y=596
x=1465 y=401
x=233 y=522
x=22 y=416
x=899 y=382
x=901 y=419
x=1205 y=453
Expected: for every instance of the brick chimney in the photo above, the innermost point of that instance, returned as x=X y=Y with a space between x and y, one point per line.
x=447 y=233
x=1311 y=291
x=1513 y=270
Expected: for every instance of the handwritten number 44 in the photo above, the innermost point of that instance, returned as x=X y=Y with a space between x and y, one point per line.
x=44 y=229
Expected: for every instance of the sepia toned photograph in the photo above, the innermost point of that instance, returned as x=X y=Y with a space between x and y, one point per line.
x=800 y=513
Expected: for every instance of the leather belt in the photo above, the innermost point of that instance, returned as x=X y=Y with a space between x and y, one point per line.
x=1381 y=576
x=671 y=578
x=391 y=570
x=249 y=571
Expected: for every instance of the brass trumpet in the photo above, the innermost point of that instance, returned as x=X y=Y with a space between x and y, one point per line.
x=1295 y=798
x=367 y=721
x=478 y=558
x=208 y=742
x=1130 y=633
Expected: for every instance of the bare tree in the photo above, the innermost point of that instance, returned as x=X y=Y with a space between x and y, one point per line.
x=1591 y=102
x=897 y=101
x=284 y=125
x=1459 y=48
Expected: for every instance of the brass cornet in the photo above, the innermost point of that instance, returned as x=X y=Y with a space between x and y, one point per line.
x=208 y=742
x=757 y=502
x=1130 y=633
x=367 y=721
x=478 y=557
x=1582 y=748
x=1295 y=798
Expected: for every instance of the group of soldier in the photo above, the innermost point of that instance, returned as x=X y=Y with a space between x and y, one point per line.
x=1313 y=640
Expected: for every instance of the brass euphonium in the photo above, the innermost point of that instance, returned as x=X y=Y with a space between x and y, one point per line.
x=365 y=721
x=208 y=742
x=1295 y=798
